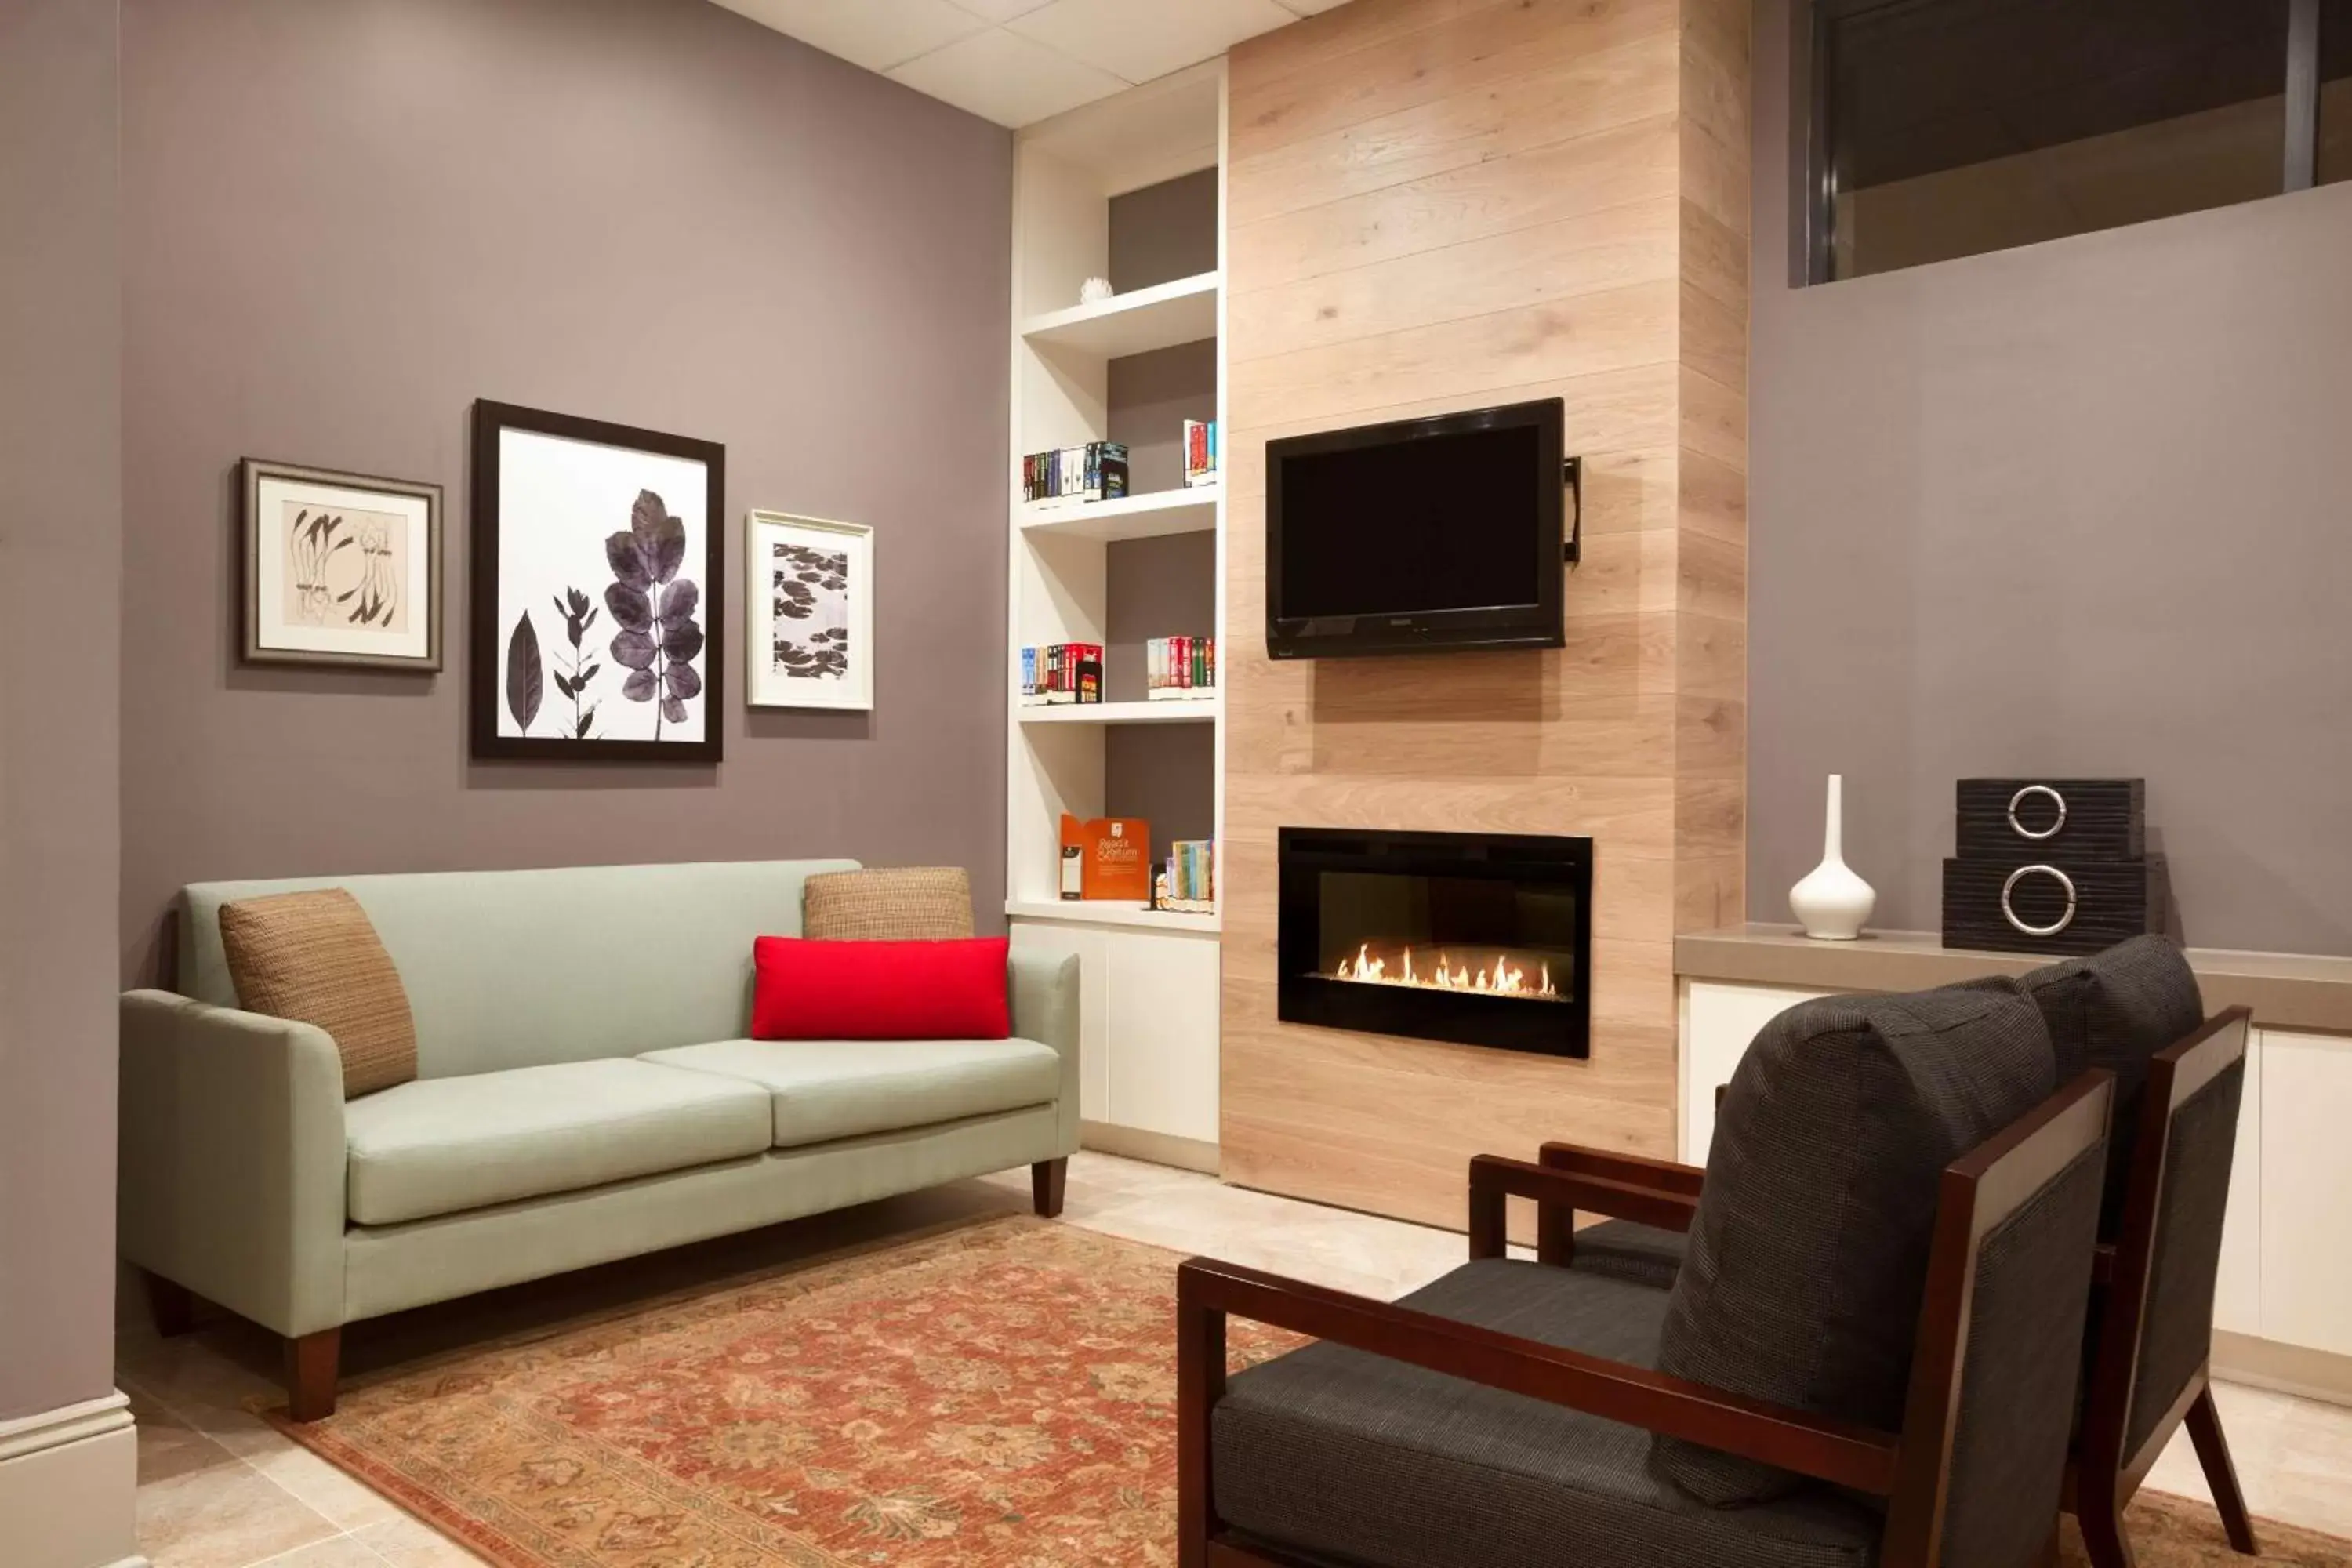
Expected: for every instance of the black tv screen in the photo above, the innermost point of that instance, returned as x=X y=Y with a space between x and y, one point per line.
x=1436 y=533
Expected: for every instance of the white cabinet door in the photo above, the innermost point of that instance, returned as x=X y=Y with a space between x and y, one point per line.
x=2307 y=1189
x=1164 y=1034
x=1094 y=1004
x=2238 y=1289
x=1718 y=1022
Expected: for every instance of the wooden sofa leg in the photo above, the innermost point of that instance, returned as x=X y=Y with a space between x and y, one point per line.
x=171 y=1304
x=311 y=1366
x=1046 y=1180
x=2204 y=1424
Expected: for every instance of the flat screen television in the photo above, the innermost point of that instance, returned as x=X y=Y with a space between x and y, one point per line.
x=1442 y=532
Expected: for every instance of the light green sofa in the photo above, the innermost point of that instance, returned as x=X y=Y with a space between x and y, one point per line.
x=584 y=1093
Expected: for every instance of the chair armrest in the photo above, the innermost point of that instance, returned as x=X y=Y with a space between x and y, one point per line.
x=1559 y=1196
x=232 y=1158
x=1663 y=1174
x=1043 y=991
x=1208 y=1291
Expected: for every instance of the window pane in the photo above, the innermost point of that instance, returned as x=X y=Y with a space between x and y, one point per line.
x=2335 y=161
x=1963 y=126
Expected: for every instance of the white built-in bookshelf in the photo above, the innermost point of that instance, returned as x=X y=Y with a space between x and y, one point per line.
x=1148 y=1012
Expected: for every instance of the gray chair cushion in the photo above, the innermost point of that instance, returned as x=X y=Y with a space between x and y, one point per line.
x=439 y=1145
x=825 y=1089
x=1809 y=1255
x=1338 y=1456
x=2116 y=1010
x=1637 y=1253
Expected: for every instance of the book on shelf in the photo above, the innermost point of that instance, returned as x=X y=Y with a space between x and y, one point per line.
x=1199 y=452
x=1071 y=476
x=1105 y=858
x=1061 y=672
x=1179 y=668
x=1186 y=882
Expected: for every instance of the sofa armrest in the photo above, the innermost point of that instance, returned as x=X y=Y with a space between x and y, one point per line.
x=232 y=1162
x=1044 y=994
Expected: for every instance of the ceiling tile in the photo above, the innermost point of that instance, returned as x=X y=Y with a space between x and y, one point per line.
x=1141 y=39
x=876 y=34
x=999 y=10
x=1008 y=80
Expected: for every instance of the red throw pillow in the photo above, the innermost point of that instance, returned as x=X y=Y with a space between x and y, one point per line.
x=880 y=990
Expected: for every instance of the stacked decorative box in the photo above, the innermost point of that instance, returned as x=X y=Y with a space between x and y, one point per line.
x=2052 y=866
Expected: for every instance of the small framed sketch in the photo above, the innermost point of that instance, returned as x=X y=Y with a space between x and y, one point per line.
x=340 y=569
x=599 y=590
x=809 y=606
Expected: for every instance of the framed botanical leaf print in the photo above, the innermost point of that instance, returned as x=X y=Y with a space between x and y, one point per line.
x=340 y=569
x=808 y=587
x=599 y=590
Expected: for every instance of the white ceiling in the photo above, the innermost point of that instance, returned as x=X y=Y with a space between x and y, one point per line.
x=1020 y=61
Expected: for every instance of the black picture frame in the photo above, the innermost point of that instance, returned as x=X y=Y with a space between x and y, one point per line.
x=486 y=674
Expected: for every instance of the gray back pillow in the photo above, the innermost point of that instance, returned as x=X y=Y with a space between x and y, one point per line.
x=1808 y=1253
x=2114 y=1011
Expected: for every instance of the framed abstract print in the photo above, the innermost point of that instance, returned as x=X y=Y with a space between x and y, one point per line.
x=599 y=590
x=340 y=569
x=808 y=612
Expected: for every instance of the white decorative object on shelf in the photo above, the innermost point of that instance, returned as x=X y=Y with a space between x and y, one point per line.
x=1095 y=290
x=1832 y=903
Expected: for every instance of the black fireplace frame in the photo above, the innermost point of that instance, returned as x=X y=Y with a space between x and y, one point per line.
x=1508 y=1023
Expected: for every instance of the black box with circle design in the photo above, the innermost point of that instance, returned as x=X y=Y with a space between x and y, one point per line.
x=2052 y=866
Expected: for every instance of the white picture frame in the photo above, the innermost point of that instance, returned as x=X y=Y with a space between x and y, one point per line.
x=808 y=585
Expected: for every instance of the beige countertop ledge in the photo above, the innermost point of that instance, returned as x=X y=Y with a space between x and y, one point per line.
x=2286 y=990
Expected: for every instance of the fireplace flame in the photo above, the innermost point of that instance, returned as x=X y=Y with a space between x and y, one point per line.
x=1497 y=975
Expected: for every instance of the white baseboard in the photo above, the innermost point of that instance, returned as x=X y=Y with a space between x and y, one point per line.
x=2284 y=1369
x=68 y=1487
x=1158 y=1148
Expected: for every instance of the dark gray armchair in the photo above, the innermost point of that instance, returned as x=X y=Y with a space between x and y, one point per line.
x=1867 y=1358
x=2136 y=1011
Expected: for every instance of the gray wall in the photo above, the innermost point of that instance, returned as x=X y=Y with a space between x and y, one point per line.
x=1163 y=232
x=61 y=554
x=2078 y=509
x=1148 y=397
x=346 y=222
x=1165 y=774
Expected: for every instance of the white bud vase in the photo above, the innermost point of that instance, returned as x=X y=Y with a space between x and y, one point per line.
x=1831 y=902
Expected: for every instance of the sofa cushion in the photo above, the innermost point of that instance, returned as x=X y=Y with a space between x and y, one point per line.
x=314 y=957
x=1343 y=1457
x=1638 y=1254
x=824 y=1089
x=441 y=1145
x=1809 y=1255
x=901 y=903
x=2116 y=1010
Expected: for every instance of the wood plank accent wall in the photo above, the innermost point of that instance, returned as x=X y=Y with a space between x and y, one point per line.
x=1445 y=204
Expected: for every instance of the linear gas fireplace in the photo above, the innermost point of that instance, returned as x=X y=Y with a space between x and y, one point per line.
x=1482 y=938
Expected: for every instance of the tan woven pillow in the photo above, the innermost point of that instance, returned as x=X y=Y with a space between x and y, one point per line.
x=914 y=903
x=315 y=958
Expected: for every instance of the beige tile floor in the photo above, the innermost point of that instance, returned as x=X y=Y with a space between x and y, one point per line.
x=220 y=1489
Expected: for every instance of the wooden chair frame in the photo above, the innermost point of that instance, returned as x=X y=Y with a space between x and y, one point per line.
x=2102 y=1476
x=1911 y=1469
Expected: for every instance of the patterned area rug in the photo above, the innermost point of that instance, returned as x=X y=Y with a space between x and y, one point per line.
x=1000 y=1396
